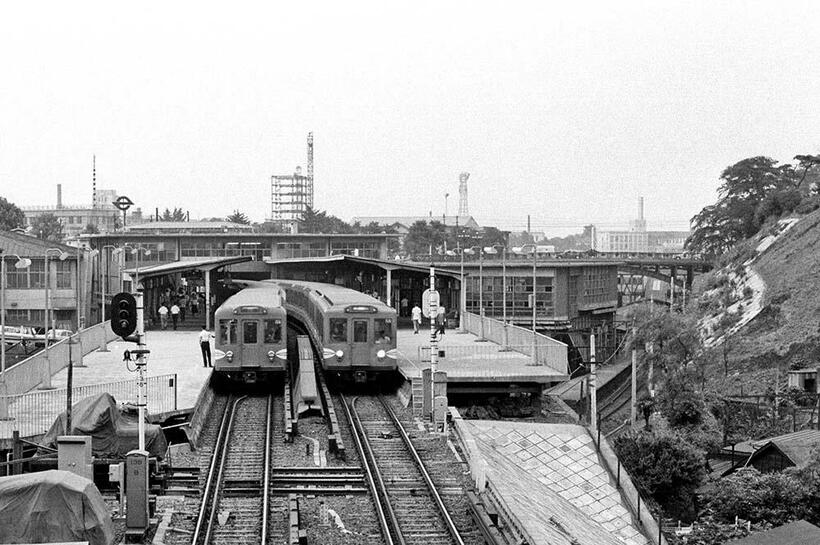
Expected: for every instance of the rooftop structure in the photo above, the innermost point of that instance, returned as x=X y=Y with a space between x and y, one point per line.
x=292 y=195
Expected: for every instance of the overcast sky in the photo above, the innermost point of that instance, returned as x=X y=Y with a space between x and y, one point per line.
x=566 y=111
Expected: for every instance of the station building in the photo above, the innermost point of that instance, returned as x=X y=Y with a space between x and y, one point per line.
x=68 y=280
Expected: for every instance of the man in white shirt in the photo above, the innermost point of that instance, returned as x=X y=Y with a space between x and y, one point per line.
x=416 y=312
x=174 y=315
x=163 y=315
x=205 y=337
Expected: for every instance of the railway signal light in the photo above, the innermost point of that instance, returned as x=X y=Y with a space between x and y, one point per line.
x=123 y=314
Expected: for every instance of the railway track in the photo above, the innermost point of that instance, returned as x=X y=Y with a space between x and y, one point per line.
x=234 y=508
x=409 y=507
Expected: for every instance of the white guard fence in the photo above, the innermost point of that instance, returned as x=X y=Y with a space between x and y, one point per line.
x=33 y=413
x=548 y=351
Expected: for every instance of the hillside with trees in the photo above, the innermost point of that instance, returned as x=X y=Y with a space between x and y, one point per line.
x=747 y=323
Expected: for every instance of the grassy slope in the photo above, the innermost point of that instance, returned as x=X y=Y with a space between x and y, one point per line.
x=786 y=331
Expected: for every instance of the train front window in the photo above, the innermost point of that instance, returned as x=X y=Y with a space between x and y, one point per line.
x=227 y=331
x=338 y=330
x=273 y=331
x=359 y=331
x=249 y=332
x=384 y=330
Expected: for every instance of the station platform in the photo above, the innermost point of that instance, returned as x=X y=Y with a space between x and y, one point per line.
x=172 y=352
x=466 y=360
x=551 y=477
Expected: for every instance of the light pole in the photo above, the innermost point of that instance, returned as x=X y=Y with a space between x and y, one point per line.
x=494 y=250
x=135 y=251
x=534 y=297
x=49 y=316
x=104 y=278
x=22 y=263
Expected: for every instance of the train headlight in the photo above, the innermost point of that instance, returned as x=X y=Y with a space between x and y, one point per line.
x=271 y=355
x=229 y=356
x=340 y=355
x=380 y=354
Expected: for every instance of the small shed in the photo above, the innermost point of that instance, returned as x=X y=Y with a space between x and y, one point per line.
x=790 y=450
x=805 y=380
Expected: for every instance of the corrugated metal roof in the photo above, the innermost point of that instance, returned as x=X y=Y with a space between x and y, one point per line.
x=28 y=246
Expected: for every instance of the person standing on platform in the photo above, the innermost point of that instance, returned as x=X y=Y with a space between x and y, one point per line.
x=441 y=320
x=403 y=307
x=183 y=306
x=174 y=315
x=163 y=315
x=416 y=319
x=205 y=337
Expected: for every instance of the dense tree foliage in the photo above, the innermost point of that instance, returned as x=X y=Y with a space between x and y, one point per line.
x=90 y=229
x=664 y=466
x=425 y=238
x=319 y=221
x=238 y=217
x=752 y=191
x=776 y=498
x=11 y=217
x=47 y=227
x=177 y=214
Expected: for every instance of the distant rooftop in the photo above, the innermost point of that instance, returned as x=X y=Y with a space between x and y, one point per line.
x=407 y=221
x=189 y=226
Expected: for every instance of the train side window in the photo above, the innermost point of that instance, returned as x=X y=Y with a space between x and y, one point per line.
x=338 y=330
x=249 y=332
x=359 y=331
x=273 y=331
x=384 y=330
x=227 y=331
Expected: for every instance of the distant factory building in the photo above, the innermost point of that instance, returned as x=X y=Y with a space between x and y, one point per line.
x=638 y=240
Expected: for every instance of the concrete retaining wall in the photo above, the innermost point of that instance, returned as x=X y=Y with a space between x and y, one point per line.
x=202 y=409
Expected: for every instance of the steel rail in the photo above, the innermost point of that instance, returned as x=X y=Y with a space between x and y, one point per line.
x=215 y=473
x=369 y=465
x=451 y=526
x=266 y=477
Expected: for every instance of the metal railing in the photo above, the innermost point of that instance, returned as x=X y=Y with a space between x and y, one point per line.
x=548 y=351
x=33 y=413
x=548 y=356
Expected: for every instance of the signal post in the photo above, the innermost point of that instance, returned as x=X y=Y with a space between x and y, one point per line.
x=127 y=316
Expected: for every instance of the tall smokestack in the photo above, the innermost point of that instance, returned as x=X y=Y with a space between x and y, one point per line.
x=94 y=182
x=59 y=195
x=640 y=208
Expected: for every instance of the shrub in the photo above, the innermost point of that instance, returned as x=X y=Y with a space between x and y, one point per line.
x=664 y=466
x=776 y=498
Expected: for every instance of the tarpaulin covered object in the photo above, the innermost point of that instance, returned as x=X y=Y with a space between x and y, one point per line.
x=113 y=433
x=52 y=506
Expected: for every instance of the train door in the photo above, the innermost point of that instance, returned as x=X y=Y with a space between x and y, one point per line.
x=251 y=355
x=360 y=348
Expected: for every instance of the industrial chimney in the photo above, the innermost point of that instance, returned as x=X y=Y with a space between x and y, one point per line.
x=59 y=195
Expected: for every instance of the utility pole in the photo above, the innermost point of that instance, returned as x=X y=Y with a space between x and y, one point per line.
x=633 y=413
x=593 y=392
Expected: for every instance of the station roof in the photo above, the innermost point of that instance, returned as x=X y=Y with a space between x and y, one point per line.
x=341 y=258
x=29 y=246
x=205 y=264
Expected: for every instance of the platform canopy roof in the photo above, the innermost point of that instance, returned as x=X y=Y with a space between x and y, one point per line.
x=387 y=265
x=204 y=264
